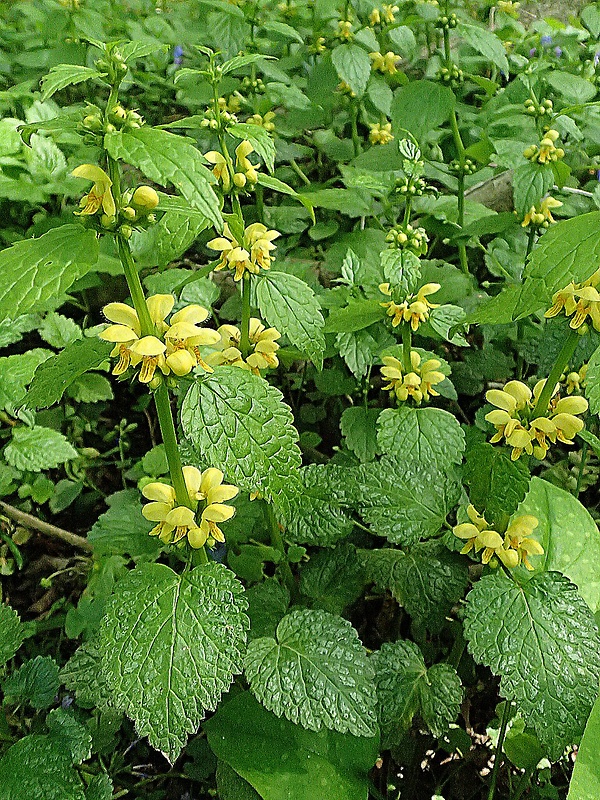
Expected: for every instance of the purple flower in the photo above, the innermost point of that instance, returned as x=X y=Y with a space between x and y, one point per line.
x=596 y=58
x=178 y=55
x=532 y=52
x=546 y=40
x=598 y=174
x=558 y=52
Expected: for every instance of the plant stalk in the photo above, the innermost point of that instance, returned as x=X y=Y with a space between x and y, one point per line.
x=277 y=543
x=245 y=323
x=499 y=749
x=561 y=362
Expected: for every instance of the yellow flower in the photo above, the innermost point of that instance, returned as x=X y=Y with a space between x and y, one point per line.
x=177 y=522
x=265 y=121
x=229 y=357
x=381 y=134
x=513 y=420
x=100 y=195
x=509 y=7
x=418 y=383
x=265 y=346
x=478 y=535
x=415 y=309
x=578 y=300
x=243 y=163
x=252 y=255
x=129 y=347
x=517 y=539
x=344 y=30
x=385 y=63
x=184 y=338
x=389 y=12
x=547 y=150
x=575 y=380
x=542 y=216
x=220 y=169
x=374 y=17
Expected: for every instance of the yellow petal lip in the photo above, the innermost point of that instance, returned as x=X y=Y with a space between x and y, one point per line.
x=181 y=330
x=161 y=492
x=181 y=362
x=501 y=399
x=222 y=493
x=156 y=512
x=568 y=424
x=519 y=438
x=148 y=346
x=216 y=512
x=91 y=172
x=211 y=478
x=214 y=157
x=543 y=424
x=122 y=314
x=244 y=149
x=571 y=405
x=192 y=314
x=466 y=530
x=204 y=336
x=159 y=306
x=220 y=244
x=498 y=417
x=491 y=539
x=520 y=391
x=181 y=516
x=118 y=333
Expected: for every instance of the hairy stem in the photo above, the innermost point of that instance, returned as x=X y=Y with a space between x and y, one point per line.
x=561 y=362
x=245 y=323
x=406 y=346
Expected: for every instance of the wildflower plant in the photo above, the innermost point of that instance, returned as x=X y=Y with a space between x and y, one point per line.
x=303 y=304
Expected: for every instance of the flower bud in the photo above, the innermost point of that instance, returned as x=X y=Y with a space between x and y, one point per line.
x=240 y=180
x=126 y=231
x=128 y=213
x=145 y=197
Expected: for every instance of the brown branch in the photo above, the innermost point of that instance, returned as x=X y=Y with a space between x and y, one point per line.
x=29 y=521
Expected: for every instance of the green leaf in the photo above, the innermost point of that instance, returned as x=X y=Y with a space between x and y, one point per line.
x=83 y=675
x=15 y=373
x=239 y=423
x=496 y=484
x=122 y=530
x=541 y=639
x=569 y=536
x=38 y=448
x=11 y=633
x=333 y=579
x=358 y=425
x=55 y=375
x=315 y=673
x=230 y=786
x=427 y=435
x=100 y=787
x=260 y=140
x=592 y=382
x=358 y=350
x=130 y=51
x=282 y=760
x=445 y=319
x=34 y=272
x=498 y=310
x=530 y=183
x=166 y=159
x=353 y=66
x=317 y=513
x=169 y=239
x=426 y=579
x=405 y=502
x=239 y=62
x=486 y=43
x=70 y=732
x=402 y=269
x=590 y=16
x=568 y=251
x=35 y=682
x=59 y=331
x=358 y=314
x=420 y=107
x=190 y=628
x=573 y=88
x=291 y=306
x=90 y=388
x=63 y=75
x=380 y=94
x=39 y=766
x=585 y=781
x=405 y=687
x=268 y=602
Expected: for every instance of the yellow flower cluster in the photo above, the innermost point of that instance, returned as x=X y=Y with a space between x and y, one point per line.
x=541 y=217
x=381 y=134
x=344 y=31
x=512 y=549
x=250 y=255
x=509 y=7
x=263 y=341
x=514 y=421
x=265 y=121
x=547 y=152
x=244 y=172
x=579 y=300
x=344 y=88
x=175 y=522
x=418 y=383
x=385 y=63
x=100 y=195
x=173 y=348
x=574 y=380
x=415 y=309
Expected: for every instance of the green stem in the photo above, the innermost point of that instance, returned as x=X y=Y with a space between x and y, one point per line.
x=407 y=210
x=298 y=170
x=245 y=323
x=354 y=122
x=277 y=543
x=582 y=465
x=406 y=347
x=563 y=358
x=523 y=784
x=500 y=745
x=135 y=287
